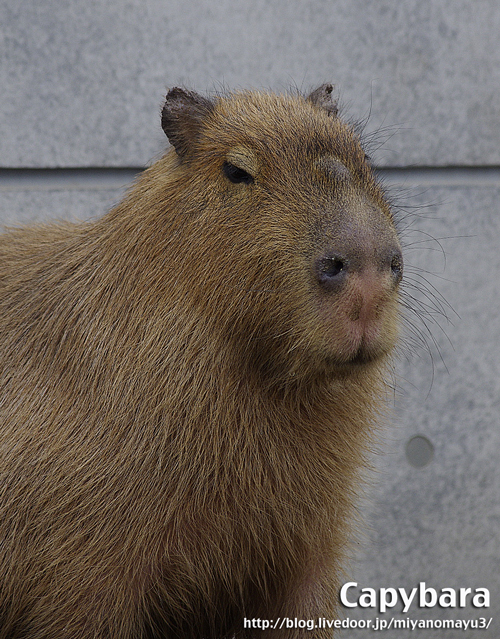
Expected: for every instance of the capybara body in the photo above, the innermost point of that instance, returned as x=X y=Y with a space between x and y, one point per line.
x=188 y=384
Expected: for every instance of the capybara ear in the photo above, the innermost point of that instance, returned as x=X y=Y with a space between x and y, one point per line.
x=182 y=116
x=322 y=98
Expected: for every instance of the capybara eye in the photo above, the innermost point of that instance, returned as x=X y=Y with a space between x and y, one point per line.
x=236 y=175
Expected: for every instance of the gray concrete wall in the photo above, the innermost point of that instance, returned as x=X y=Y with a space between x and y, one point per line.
x=82 y=87
x=82 y=82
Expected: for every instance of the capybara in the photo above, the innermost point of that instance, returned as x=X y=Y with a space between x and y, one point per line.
x=189 y=383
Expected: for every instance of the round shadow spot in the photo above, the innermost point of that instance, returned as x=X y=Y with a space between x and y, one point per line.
x=419 y=451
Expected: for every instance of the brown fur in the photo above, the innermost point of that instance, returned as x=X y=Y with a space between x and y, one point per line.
x=185 y=402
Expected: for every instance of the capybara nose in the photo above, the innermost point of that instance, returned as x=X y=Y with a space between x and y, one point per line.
x=396 y=265
x=333 y=268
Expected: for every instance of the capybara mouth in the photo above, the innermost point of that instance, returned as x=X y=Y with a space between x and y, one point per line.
x=365 y=355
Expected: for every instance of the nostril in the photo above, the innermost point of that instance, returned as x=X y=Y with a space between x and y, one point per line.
x=331 y=270
x=397 y=266
x=331 y=266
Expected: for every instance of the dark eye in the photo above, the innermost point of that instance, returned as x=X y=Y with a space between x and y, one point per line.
x=236 y=175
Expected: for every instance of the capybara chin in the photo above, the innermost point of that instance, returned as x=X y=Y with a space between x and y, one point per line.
x=189 y=383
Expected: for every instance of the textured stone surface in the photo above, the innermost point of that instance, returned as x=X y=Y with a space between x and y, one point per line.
x=82 y=83
x=37 y=197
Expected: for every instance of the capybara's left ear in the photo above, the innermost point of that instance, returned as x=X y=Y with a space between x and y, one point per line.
x=322 y=98
x=182 y=116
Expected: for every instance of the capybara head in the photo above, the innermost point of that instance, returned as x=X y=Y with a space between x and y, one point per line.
x=286 y=221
